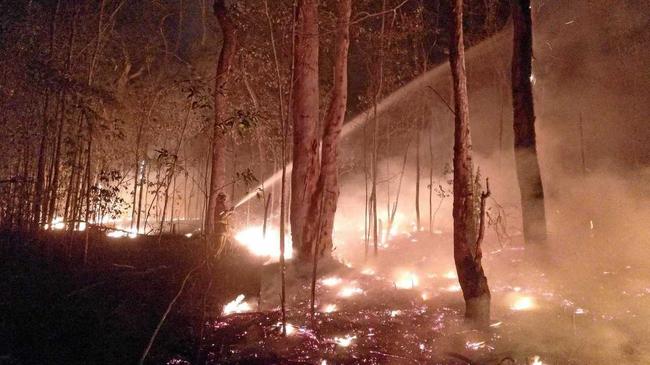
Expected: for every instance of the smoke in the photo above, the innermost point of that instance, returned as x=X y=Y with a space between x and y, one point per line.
x=590 y=82
x=581 y=298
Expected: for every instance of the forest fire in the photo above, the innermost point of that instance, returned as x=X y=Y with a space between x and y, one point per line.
x=349 y=291
x=331 y=281
x=406 y=280
x=238 y=305
x=523 y=303
x=265 y=245
x=330 y=308
x=324 y=182
x=344 y=341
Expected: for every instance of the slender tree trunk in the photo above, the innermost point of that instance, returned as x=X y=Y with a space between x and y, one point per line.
x=467 y=255
x=366 y=210
x=430 y=132
x=88 y=187
x=40 y=169
x=143 y=187
x=137 y=172
x=305 y=115
x=224 y=65
x=375 y=137
x=54 y=186
x=283 y=126
x=327 y=189
x=171 y=177
x=417 y=176
x=528 y=173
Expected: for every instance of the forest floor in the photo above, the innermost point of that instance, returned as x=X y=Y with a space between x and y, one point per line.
x=53 y=310
x=403 y=307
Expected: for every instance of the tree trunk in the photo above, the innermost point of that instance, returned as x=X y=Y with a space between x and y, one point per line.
x=327 y=189
x=528 y=174
x=417 y=176
x=467 y=255
x=305 y=114
x=88 y=189
x=40 y=169
x=218 y=172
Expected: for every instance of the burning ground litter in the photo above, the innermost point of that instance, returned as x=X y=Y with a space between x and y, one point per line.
x=381 y=313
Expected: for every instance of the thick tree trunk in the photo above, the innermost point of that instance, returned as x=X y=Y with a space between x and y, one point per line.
x=305 y=113
x=467 y=255
x=327 y=189
x=530 y=181
x=218 y=172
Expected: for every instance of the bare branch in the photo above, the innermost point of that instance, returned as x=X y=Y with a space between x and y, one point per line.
x=373 y=15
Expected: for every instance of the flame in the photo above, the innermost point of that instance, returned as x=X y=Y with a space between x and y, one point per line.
x=331 y=281
x=291 y=329
x=329 y=308
x=257 y=243
x=116 y=234
x=451 y=274
x=237 y=306
x=344 y=341
x=453 y=288
x=523 y=303
x=349 y=291
x=57 y=223
x=407 y=280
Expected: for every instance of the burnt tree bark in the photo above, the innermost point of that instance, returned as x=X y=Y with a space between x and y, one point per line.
x=304 y=113
x=467 y=254
x=528 y=173
x=224 y=65
x=327 y=188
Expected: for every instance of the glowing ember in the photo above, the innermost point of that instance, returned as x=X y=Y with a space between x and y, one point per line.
x=523 y=304
x=368 y=271
x=475 y=345
x=237 y=306
x=344 y=341
x=258 y=244
x=330 y=308
x=407 y=280
x=496 y=324
x=188 y=235
x=291 y=329
x=331 y=281
x=349 y=291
